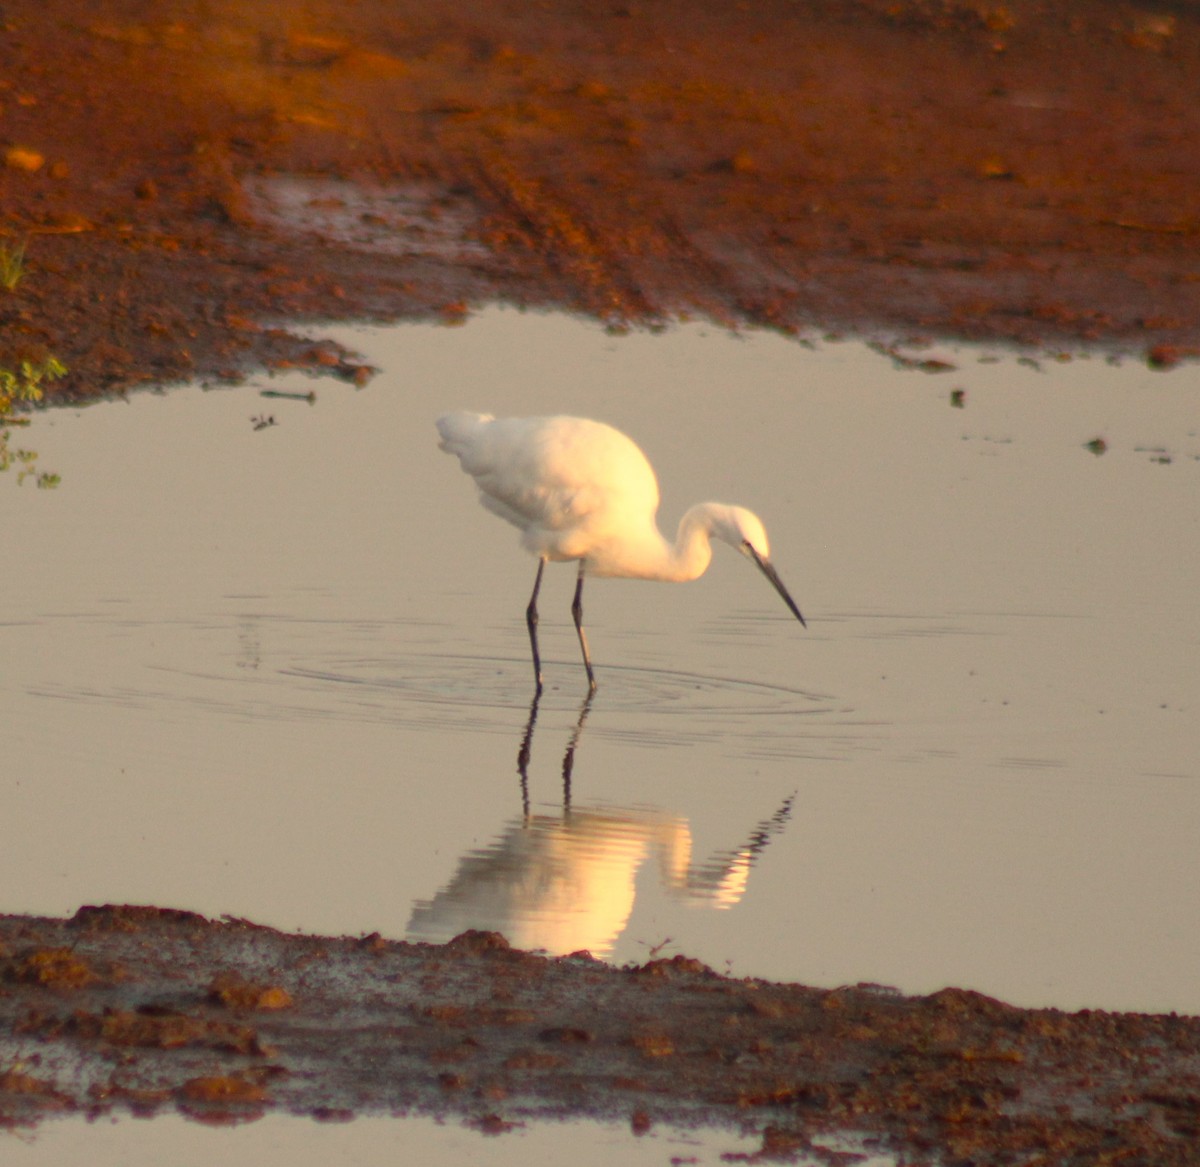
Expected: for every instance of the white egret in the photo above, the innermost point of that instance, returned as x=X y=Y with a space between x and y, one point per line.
x=581 y=490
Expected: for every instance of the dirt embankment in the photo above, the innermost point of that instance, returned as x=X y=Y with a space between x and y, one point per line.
x=185 y=176
x=141 y=1010
x=1021 y=169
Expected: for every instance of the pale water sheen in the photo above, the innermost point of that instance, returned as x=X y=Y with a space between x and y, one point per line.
x=283 y=674
x=281 y=1139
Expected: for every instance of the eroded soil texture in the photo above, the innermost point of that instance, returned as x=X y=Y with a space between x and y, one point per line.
x=181 y=183
x=143 y=1010
x=184 y=177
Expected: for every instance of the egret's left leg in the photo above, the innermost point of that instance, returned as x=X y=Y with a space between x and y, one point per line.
x=531 y=622
x=577 y=612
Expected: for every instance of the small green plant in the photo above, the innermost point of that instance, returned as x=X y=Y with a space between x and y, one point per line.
x=24 y=385
x=27 y=460
x=12 y=265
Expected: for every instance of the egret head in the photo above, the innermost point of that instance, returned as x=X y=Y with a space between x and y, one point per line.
x=743 y=529
x=747 y=533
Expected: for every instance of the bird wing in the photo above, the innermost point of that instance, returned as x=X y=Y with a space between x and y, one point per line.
x=559 y=479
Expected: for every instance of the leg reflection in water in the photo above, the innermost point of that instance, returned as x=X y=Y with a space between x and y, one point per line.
x=525 y=752
x=564 y=880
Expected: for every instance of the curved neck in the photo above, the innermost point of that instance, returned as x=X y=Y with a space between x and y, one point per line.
x=691 y=553
x=693 y=549
x=647 y=555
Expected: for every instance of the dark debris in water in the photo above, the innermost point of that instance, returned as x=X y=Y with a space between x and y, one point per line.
x=904 y=361
x=147 y=1011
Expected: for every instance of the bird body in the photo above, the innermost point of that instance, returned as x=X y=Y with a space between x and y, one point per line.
x=576 y=489
x=580 y=490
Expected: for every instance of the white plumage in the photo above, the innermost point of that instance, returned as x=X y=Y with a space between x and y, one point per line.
x=581 y=490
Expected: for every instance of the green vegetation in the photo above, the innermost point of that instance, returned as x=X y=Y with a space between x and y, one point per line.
x=23 y=386
x=12 y=265
x=26 y=459
x=26 y=383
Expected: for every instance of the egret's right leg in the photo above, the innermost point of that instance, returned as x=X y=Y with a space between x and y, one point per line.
x=531 y=621
x=577 y=613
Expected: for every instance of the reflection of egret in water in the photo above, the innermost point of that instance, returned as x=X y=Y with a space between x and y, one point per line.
x=568 y=762
x=567 y=881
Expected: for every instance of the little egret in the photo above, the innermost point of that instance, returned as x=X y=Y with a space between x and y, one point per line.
x=581 y=490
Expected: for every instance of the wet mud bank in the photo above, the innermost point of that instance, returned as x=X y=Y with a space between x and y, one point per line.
x=182 y=177
x=177 y=179
x=142 y=1010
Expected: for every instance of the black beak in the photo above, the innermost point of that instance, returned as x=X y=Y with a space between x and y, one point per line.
x=769 y=571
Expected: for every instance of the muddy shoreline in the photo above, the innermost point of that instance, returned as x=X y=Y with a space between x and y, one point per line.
x=902 y=169
x=184 y=178
x=140 y=1010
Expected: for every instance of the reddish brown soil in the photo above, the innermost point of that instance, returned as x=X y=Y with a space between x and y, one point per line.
x=140 y=1010
x=1014 y=169
x=1021 y=170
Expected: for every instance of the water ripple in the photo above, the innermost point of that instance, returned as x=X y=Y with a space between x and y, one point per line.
x=494 y=682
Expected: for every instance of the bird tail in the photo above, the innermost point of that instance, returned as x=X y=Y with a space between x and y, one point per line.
x=459 y=431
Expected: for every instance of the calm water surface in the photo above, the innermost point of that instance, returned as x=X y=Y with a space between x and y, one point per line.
x=283 y=673
x=303 y=1143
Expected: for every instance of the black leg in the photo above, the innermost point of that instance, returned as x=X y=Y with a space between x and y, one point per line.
x=568 y=764
x=577 y=612
x=531 y=620
x=525 y=752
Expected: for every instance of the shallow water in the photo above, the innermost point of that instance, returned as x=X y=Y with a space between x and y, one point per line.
x=283 y=673
x=302 y=1142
